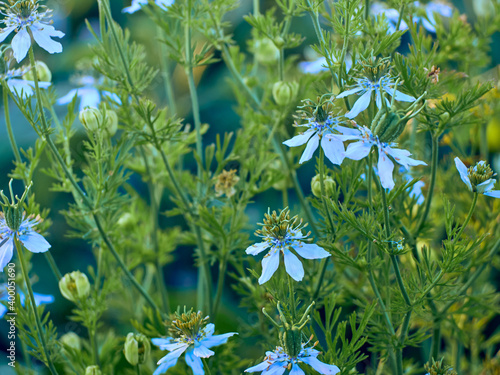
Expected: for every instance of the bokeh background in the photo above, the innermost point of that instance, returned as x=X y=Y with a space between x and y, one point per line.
x=216 y=102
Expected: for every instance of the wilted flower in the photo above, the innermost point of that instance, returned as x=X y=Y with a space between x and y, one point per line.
x=225 y=183
x=277 y=362
x=189 y=335
x=361 y=149
x=478 y=178
x=366 y=87
x=24 y=18
x=282 y=233
x=5 y=296
x=138 y=4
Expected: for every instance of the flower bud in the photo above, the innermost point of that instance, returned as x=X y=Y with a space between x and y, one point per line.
x=42 y=70
x=72 y=340
x=74 y=286
x=265 y=51
x=483 y=8
x=111 y=122
x=387 y=125
x=91 y=118
x=137 y=348
x=93 y=370
x=316 y=186
x=285 y=92
x=293 y=341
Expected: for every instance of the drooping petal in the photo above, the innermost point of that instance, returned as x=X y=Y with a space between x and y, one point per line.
x=358 y=150
x=349 y=92
x=319 y=366
x=34 y=242
x=173 y=355
x=257 y=248
x=201 y=350
x=195 y=363
x=347 y=131
x=310 y=251
x=485 y=186
x=493 y=193
x=260 y=367
x=296 y=370
x=6 y=252
x=361 y=104
x=299 y=139
x=216 y=340
x=293 y=265
x=312 y=145
x=400 y=97
x=21 y=44
x=334 y=149
x=161 y=342
x=270 y=264
x=464 y=174
x=385 y=168
x=4 y=33
x=403 y=157
x=42 y=34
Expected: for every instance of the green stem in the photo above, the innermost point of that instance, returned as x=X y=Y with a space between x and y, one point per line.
x=167 y=82
x=436 y=340
x=8 y=124
x=469 y=216
x=138 y=369
x=220 y=285
x=53 y=265
x=205 y=366
x=344 y=48
x=93 y=344
x=367 y=9
x=39 y=326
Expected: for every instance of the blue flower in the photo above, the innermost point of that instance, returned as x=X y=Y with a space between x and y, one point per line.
x=334 y=150
x=20 y=86
x=25 y=16
x=138 y=4
x=392 y=16
x=478 y=178
x=365 y=87
x=39 y=298
x=282 y=233
x=416 y=189
x=277 y=362
x=196 y=345
x=89 y=95
x=30 y=239
x=320 y=65
x=361 y=149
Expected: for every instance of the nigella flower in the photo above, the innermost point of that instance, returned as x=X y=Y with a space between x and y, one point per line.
x=361 y=149
x=191 y=338
x=26 y=234
x=478 y=178
x=4 y=296
x=138 y=4
x=89 y=94
x=282 y=234
x=415 y=191
x=21 y=87
x=320 y=65
x=23 y=17
x=278 y=361
x=366 y=87
x=392 y=16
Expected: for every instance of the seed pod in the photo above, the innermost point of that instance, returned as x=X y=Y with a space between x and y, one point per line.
x=285 y=92
x=137 y=348
x=316 y=186
x=111 y=122
x=43 y=72
x=74 y=286
x=91 y=118
x=293 y=341
x=387 y=125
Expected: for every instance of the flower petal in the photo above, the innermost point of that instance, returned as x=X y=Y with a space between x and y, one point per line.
x=257 y=248
x=6 y=252
x=173 y=355
x=349 y=92
x=296 y=370
x=400 y=97
x=162 y=342
x=162 y=369
x=485 y=186
x=361 y=104
x=215 y=340
x=299 y=139
x=464 y=174
x=201 y=350
x=34 y=242
x=334 y=149
x=66 y=99
x=260 y=367
x=312 y=145
x=319 y=366
x=42 y=35
x=385 y=168
x=277 y=368
x=43 y=298
x=358 y=150
x=310 y=251
x=493 y=193
x=4 y=33
x=293 y=265
x=195 y=363
x=21 y=44
x=270 y=264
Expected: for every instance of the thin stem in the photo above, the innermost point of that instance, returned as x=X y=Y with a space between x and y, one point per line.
x=8 y=124
x=53 y=265
x=367 y=9
x=167 y=82
x=138 y=369
x=469 y=215
x=205 y=366
x=39 y=326
x=344 y=48
x=220 y=285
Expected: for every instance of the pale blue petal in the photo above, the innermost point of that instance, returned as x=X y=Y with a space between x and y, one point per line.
x=378 y=99
x=195 y=363
x=293 y=265
x=296 y=370
x=440 y=8
x=429 y=25
x=385 y=168
x=202 y=351
x=347 y=131
x=361 y=104
x=464 y=174
x=319 y=366
x=34 y=242
x=173 y=346
x=174 y=355
x=209 y=329
x=310 y=251
x=260 y=367
x=349 y=92
x=216 y=340
x=312 y=145
x=111 y=95
x=493 y=193
x=400 y=97
x=90 y=97
x=313 y=67
x=135 y=6
x=358 y=150
x=164 y=3
x=66 y=99
x=300 y=139
x=4 y=33
x=21 y=44
x=257 y=248
x=3 y=310
x=162 y=369
x=403 y=157
x=485 y=186
x=270 y=264
x=20 y=87
x=334 y=149
x=161 y=341
x=42 y=34
x=6 y=252
x=277 y=368
x=43 y=298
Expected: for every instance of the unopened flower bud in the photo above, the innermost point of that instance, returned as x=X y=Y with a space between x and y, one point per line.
x=72 y=340
x=387 y=125
x=91 y=118
x=43 y=72
x=316 y=186
x=111 y=122
x=137 y=348
x=265 y=51
x=285 y=92
x=74 y=286
x=93 y=370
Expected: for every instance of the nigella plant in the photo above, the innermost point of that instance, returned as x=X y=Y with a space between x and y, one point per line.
x=191 y=335
x=29 y=19
x=478 y=178
x=319 y=122
x=282 y=234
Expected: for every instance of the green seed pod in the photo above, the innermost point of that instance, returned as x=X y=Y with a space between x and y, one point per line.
x=137 y=348
x=93 y=370
x=111 y=122
x=285 y=92
x=293 y=341
x=74 y=286
x=91 y=118
x=72 y=340
x=387 y=125
x=316 y=186
x=43 y=72
x=265 y=51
